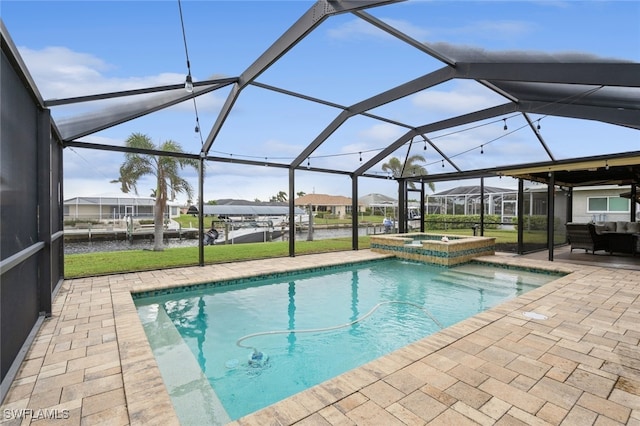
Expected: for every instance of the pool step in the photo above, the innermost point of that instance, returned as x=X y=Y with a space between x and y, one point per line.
x=525 y=277
x=477 y=284
x=487 y=279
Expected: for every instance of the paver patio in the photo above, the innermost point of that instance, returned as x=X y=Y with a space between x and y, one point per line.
x=91 y=363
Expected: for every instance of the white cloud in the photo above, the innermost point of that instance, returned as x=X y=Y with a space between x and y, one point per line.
x=463 y=98
x=487 y=29
x=282 y=149
x=381 y=133
x=62 y=73
x=358 y=28
x=354 y=28
x=499 y=29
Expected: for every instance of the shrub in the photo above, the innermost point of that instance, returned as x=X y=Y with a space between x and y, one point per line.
x=449 y=221
x=537 y=223
x=76 y=222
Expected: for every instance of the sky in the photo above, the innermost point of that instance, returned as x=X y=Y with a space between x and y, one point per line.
x=75 y=48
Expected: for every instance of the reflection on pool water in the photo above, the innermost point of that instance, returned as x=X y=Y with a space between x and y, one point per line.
x=307 y=328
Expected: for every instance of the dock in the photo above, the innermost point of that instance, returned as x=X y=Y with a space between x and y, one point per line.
x=120 y=234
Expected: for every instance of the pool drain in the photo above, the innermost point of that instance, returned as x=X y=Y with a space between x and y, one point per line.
x=231 y=364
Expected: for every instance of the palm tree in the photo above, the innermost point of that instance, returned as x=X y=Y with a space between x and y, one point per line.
x=165 y=169
x=281 y=197
x=410 y=169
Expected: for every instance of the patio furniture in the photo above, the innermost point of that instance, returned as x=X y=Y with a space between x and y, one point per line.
x=623 y=236
x=622 y=242
x=584 y=236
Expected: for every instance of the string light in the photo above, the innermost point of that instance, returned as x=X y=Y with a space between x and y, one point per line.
x=379 y=149
x=505 y=127
x=188 y=84
x=308 y=163
x=606 y=164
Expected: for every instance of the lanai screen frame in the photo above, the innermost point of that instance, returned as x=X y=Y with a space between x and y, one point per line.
x=528 y=84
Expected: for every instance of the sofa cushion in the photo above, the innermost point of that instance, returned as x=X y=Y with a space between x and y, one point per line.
x=633 y=227
x=609 y=226
x=621 y=226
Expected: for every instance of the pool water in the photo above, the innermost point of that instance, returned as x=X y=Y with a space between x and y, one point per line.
x=309 y=327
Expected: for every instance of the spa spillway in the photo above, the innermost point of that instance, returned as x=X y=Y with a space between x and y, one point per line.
x=439 y=249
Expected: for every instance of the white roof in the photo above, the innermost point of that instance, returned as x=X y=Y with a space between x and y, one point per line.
x=249 y=210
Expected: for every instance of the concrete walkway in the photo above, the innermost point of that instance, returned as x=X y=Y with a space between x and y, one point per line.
x=91 y=363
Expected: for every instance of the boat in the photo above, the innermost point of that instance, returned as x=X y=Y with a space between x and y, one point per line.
x=250 y=232
x=251 y=222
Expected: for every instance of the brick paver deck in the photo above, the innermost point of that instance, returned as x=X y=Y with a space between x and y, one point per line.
x=91 y=363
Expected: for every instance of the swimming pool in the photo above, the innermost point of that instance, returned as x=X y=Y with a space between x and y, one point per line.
x=310 y=326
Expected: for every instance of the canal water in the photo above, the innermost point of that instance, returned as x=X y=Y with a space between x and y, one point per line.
x=100 y=246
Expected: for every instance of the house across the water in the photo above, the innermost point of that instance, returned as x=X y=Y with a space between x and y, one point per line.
x=106 y=208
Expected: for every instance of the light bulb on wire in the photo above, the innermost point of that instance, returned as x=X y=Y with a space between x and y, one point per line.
x=188 y=84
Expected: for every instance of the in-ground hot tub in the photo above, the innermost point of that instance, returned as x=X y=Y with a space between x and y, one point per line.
x=446 y=250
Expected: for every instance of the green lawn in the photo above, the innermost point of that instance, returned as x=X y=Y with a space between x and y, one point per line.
x=91 y=264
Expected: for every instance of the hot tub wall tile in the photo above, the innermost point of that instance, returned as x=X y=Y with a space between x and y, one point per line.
x=430 y=248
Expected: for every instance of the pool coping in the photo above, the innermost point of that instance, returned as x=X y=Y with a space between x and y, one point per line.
x=92 y=357
x=395 y=388
x=137 y=351
x=183 y=290
x=305 y=404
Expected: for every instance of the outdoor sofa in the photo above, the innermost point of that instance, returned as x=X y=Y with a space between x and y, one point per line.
x=613 y=237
